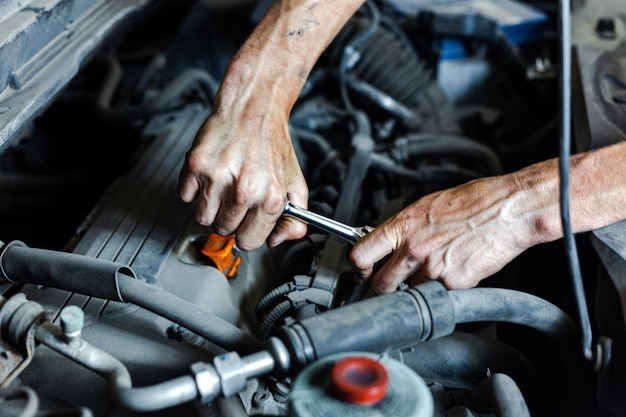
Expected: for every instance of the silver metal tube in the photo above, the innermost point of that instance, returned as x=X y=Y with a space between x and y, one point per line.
x=258 y=364
x=156 y=397
x=159 y=396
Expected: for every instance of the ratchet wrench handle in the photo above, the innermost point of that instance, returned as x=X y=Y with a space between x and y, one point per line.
x=343 y=231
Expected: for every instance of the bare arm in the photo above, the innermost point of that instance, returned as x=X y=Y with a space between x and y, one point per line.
x=464 y=234
x=242 y=165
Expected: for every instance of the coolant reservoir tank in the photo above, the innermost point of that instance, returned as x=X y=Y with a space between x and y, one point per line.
x=359 y=384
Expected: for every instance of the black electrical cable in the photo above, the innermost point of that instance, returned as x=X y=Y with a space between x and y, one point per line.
x=564 y=164
x=269 y=299
x=271 y=318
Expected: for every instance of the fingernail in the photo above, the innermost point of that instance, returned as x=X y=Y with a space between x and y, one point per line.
x=275 y=242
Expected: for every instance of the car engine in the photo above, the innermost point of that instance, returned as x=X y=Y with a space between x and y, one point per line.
x=115 y=302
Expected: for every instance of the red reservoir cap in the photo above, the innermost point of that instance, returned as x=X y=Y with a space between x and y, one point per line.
x=360 y=380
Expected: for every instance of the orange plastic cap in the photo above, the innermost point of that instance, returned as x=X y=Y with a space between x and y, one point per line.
x=220 y=249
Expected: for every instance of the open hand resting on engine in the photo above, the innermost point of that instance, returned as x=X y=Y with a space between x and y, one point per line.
x=464 y=234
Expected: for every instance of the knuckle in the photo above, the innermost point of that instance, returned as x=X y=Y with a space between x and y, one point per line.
x=201 y=220
x=356 y=259
x=383 y=284
x=244 y=193
x=298 y=190
x=413 y=255
x=274 y=201
x=222 y=230
x=245 y=244
x=196 y=161
x=429 y=270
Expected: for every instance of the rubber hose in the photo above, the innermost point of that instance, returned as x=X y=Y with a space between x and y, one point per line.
x=423 y=174
x=28 y=395
x=173 y=90
x=382 y=58
x=113 y=281
x=499 y=393
x=426 y=311
x=442 y=144
x=460 y=360
x=503 y=305
x=199 y=321
x=494 y=304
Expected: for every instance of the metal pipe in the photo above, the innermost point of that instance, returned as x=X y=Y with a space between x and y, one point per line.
x=150 y=398
x=258 y=364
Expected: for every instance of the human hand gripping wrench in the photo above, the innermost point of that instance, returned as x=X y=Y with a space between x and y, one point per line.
x=348 y=233
x=343 y=231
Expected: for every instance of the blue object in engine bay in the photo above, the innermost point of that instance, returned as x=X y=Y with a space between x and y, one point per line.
x=518 y=22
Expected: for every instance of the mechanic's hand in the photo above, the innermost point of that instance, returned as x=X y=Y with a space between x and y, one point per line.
x=458 y=236
x=240 y=170
x=242 y=167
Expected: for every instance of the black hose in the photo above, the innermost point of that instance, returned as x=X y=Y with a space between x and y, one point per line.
x=113 y=281
x=156 y=63
x=444 y=173
x=425 y=312
x=460 y=360
x=314 y=138
x=27 y=395
x=163 y=102
x=437 y=144
x=509 y=306
x=199 y=321
x=327 y=152
x=385 y=101
x=386 y=62
x=499 y=393
x=351 y=52
x=428 y=311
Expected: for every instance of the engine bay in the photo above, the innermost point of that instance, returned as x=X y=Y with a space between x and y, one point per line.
x=115 y=302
